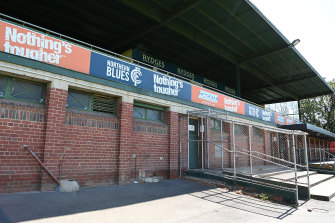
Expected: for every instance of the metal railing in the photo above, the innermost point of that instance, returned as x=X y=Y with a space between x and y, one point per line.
x=322 y=157
x=250 y=151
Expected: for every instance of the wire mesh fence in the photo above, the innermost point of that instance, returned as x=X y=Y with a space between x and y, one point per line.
x=242 y=150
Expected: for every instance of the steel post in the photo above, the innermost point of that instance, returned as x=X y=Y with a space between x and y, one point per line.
x=250 y=150
x=295 y=168
x=221 y=139
x=234 y=151
x=307 y=168
x=188 y=140
x=207 y=136
x=202 y=142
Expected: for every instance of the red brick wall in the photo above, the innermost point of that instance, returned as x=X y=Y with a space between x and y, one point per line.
x=92 y=148
x=19 y=125
x=150 y=142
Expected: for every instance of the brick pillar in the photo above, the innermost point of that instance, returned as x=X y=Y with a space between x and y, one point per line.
x=173 y=122
x=54 y=134
x=126 y=149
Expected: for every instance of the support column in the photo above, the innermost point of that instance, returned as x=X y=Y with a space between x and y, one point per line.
x=54 y=132
x=173 y=122
x=126 y=150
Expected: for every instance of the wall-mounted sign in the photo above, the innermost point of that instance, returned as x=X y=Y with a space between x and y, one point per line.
x=111 y=68
x=214 y=99
x=37 y=46
x=191 y=128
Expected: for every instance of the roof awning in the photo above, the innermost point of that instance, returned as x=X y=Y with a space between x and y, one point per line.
x=313 y=131
x=205 y=37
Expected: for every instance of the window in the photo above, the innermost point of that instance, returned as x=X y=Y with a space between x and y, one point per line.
x=148 y=112
x=215 y=124
x=3 y=82
x=17 y=89
x=79 y=100
x=91 y=102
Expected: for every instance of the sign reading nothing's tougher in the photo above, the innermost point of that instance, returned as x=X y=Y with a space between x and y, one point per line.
x=37 y=46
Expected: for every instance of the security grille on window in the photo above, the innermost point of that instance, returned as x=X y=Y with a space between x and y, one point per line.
x=103 y=103
x=3 y=82
x=215 y=124
x=27 y=91
x=78 y=100
x=17 y=89
x=148 y=112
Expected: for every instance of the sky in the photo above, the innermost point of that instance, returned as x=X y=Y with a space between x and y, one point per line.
x=311 y=21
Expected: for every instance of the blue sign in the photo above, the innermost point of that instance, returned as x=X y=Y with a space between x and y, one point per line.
x=268 y=116
x=113 y=69
x=144 y=57
x=259 y=113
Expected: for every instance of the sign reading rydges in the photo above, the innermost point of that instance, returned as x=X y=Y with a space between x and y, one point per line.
x=36 y=46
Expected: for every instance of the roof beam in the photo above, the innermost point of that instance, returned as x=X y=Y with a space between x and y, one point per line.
x=159 y=20
x=282 y=83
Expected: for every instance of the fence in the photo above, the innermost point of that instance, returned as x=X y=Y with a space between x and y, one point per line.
x=270 y=155
x=321 y=156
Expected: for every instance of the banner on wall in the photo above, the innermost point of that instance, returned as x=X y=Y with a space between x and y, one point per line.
x=36 y=46
x=113 y=69
x=214 y=99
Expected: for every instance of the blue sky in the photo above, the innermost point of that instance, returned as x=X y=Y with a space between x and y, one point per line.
x=311 y=21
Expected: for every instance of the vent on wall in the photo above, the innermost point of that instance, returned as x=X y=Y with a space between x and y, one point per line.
x=103 y=103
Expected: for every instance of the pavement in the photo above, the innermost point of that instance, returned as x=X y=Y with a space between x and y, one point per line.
x=167 y=201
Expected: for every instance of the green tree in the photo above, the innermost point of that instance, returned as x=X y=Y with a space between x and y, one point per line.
x=320 y=111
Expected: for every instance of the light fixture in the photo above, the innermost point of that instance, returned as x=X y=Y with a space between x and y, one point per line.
x=295 y=42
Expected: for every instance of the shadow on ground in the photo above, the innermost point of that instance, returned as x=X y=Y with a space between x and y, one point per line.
x=37 y=205
x=245 y=203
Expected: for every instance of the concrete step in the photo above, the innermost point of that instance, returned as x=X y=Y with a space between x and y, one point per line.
x=324 y=191
x=315 y=179
x=287 y=175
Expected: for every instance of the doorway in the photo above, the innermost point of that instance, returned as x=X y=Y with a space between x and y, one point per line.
x=193 y=131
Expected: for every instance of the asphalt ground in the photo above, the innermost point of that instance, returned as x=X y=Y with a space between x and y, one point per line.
x=166 y=201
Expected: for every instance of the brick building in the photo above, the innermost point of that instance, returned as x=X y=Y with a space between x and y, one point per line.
x=105 y=118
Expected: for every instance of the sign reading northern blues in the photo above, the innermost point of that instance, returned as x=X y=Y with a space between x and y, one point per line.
x=117 y=70
x=259 y=113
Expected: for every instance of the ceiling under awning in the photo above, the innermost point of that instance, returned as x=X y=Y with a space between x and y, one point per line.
x=208 y=37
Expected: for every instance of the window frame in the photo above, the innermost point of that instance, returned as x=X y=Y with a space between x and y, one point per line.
x=90 y=107
x=147 y=107
x=9 y=85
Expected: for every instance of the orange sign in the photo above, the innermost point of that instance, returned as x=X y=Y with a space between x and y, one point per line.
x=214 y=99
x=36 y=46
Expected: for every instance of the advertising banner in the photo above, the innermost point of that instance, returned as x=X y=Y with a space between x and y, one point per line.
x=36 y=46
x=268 y=116
x=214 y=99
x=113 y=69
x=279 y=119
